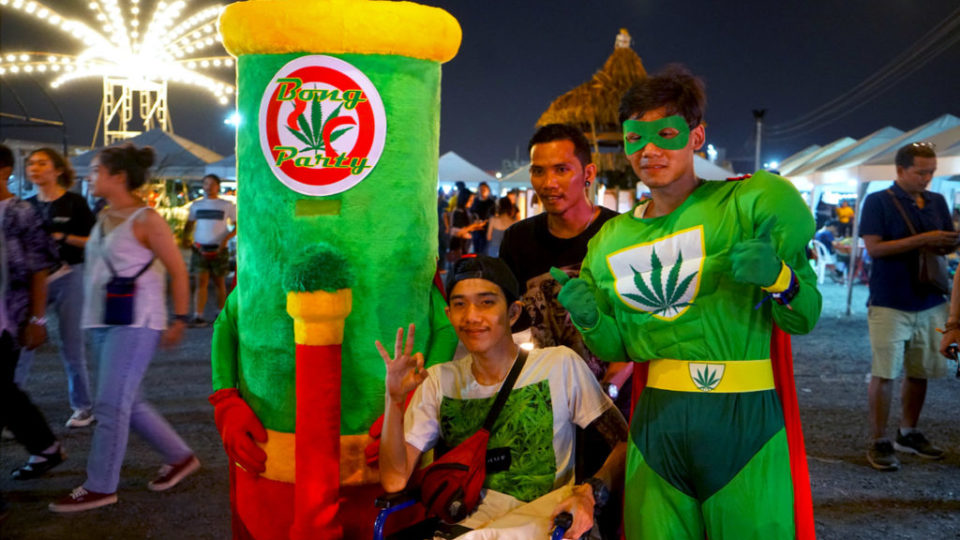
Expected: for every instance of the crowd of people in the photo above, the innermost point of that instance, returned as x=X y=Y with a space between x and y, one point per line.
x=699 y=284
x=473 y=222
x=104 y=279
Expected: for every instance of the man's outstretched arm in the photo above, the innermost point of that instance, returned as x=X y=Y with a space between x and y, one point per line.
x=405 y=372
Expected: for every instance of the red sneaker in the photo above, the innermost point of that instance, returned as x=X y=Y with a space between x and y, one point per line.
x=171 y=475
x=80 y=499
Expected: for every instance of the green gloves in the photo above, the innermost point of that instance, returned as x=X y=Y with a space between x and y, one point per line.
x=756 y=261
x=577 y=296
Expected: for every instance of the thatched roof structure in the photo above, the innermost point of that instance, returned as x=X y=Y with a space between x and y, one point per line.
x=592 y=106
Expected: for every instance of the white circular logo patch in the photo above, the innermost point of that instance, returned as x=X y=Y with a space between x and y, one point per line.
x=322 y=125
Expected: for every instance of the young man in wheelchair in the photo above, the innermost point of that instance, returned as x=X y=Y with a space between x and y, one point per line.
x=534 y=432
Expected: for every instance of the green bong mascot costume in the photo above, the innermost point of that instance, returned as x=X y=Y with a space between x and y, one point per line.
x=337 y=168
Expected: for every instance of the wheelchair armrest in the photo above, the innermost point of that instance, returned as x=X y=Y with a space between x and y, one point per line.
x=390 y=500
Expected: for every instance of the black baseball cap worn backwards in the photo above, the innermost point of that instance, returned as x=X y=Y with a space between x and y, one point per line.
x=488 y=268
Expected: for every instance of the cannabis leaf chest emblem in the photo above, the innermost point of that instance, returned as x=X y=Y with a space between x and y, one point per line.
x=706 y=376
x=660 y=277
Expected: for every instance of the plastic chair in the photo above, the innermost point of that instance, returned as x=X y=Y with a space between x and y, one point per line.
x=824 y=259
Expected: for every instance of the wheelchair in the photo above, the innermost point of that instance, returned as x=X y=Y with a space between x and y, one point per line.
x=434 y=527
x=590 y=456
x=591 y=453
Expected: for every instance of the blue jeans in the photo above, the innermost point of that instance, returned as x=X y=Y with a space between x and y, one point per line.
x=123 y=354
x=65 y=298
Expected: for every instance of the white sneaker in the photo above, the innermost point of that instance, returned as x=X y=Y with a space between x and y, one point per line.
x=80 y=418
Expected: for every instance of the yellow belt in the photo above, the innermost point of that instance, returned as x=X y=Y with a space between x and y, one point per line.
x=713 y=376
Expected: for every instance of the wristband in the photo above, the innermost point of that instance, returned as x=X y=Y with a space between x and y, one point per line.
x=184 y=318
x=785 y=295
x=601 y=494
x=782 y=282
x=39 y=321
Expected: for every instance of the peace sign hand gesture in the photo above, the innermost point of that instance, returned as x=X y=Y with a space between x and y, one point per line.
x=405 y=372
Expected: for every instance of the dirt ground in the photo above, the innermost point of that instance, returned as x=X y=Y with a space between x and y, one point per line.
x=852 y=501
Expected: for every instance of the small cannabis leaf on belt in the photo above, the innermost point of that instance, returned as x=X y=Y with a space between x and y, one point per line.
x=312 y=135
x=661 y=297
x=706 y=379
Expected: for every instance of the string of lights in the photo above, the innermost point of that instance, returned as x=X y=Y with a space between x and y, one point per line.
x=127 y=57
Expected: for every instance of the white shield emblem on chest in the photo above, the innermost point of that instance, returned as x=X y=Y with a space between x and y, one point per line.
x=706 y=376
x=661 y=277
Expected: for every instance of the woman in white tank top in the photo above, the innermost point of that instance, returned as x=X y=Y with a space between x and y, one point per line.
x=131 y=237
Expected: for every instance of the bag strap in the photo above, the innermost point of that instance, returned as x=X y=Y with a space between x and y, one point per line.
x=113 y=272
x=896 y=202
x=505 y=389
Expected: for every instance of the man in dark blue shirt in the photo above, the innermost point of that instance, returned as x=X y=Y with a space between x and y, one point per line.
x=904 y=313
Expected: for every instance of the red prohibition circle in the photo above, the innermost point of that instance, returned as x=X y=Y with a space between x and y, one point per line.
x=322 y=176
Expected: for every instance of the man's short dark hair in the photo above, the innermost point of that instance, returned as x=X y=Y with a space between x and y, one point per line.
x=6 y=156
x=563 y=132
x=214 y=177
x=674 y=88
x=906 y=153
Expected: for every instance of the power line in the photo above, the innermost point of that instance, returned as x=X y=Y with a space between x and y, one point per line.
x=939 y=39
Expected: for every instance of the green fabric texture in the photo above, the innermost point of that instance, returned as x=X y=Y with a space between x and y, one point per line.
x=757 y=503
x=755 y=260
x=386 y=229
x=443 y=340
x=525 y=426
x=318 y=267
x=223 y=348
x=715 y=318
x=710 y=436
x=577 y=296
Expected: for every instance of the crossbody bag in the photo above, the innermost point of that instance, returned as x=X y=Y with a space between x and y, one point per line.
x=932 y=266
x=450 y=486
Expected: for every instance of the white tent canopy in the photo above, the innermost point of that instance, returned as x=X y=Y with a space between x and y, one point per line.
x=881 y=165
x=801 y=157
x=707 y=169
x=872 y=159
x=847 y=155
x=794 y=163
x=453 y=168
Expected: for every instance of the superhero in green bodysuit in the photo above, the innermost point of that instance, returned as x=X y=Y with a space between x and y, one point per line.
x=692 y=282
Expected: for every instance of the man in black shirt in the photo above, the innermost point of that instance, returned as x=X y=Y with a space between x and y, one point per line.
x=483 y=206
x=561 y=170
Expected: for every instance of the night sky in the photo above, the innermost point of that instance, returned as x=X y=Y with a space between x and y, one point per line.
x=787 y=57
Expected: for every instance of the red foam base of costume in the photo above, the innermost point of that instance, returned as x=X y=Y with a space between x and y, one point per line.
x=318 y=442
x=265 y=507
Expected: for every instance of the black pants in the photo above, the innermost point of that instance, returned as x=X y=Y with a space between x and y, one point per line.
x=17 y=412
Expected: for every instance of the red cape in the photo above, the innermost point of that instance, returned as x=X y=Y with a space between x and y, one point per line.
x=781 y=356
